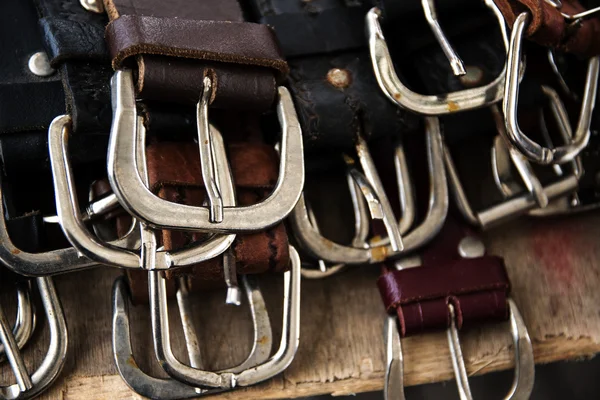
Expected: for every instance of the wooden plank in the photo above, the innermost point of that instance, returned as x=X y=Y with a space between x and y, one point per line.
x=554 y=266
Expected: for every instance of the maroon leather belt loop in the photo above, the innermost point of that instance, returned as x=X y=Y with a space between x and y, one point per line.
x=477 y=287
x=177 y=44
x=549 y=28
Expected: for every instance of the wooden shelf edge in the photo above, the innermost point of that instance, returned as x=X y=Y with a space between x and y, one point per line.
x=112 y=386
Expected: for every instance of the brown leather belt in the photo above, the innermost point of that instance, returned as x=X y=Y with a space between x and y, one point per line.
x=478 y=287
x=549 y=28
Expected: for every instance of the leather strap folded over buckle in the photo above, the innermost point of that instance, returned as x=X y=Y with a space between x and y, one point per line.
x=174 y=54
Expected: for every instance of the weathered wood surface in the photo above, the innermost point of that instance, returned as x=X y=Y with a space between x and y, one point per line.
x=554 y=267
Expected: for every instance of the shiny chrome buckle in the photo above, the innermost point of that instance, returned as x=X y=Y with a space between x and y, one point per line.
x=171 y=389
x=381 y=250
x=28 y=385
x=109 y=254
x=126 y=146
x=530 y=149
x=433 y=105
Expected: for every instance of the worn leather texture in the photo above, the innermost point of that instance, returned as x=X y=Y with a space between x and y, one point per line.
x=180 y=45
x=331 y=79
x=419 y=296
x=307 y=28
x=549 y=28
x=174 y=174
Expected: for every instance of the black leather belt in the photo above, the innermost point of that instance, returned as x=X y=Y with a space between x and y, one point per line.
x=331 y=78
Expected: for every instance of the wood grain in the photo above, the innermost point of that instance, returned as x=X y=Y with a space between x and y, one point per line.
x=553 y=264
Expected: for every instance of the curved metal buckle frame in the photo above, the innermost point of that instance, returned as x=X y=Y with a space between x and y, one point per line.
x=508 y=209
x=523 y=380
x=29 y=386
x=48 y=263
x=107 y=254
x=172 y=389
x=25 y=321
x=503 y=155
x=227 y=380
x=530 y=149
x=361 y=231
x=433 y=105
x=436 y=214
x=139 y=201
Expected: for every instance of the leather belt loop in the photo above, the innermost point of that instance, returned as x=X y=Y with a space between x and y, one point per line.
x=549 y=28
x=173 y=54
x=477 y=287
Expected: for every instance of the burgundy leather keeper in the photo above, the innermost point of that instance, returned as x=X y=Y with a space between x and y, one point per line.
x=549 y=28
x=476 y=287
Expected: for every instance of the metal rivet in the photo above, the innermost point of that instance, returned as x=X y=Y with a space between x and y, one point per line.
x=94 y=6
x=473 y=77
x=39 y=64
x=339 y=78
x=471 y=247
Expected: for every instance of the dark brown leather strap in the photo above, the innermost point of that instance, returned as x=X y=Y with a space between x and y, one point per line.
x=476 y=287
x=177 y=43
x=549 y=28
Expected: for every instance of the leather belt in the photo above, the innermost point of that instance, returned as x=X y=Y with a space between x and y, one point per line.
x=331 y=79
x=549 y=28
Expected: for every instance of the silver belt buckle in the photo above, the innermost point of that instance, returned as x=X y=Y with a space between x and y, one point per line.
x=127 y=144
x=29 y=385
